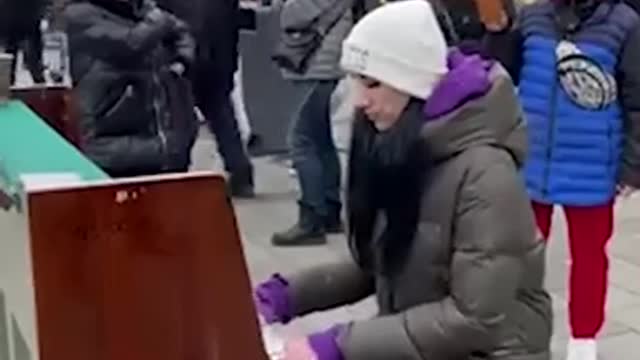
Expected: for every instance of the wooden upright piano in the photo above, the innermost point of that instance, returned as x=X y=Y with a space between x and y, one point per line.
x=150 y=268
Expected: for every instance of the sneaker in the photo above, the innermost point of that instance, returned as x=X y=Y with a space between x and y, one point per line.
x=582 y=349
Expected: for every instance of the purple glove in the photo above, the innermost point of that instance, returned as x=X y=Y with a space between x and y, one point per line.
x=272 y=300
x=325 y=344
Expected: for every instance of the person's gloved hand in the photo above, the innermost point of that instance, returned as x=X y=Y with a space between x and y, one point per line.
x=318 y=346
x=177 y=68
x=272 y=300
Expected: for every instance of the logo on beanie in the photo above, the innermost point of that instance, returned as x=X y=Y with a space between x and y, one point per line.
x=355 y=58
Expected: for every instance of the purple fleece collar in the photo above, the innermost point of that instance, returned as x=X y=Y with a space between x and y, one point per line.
x=467 y=79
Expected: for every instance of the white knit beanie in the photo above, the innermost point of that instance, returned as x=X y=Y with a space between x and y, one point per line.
x=399 y=44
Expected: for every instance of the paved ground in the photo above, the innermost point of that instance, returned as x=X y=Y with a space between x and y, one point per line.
x=274 y=209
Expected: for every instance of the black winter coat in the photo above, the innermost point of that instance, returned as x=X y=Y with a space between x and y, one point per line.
x=215 y=26
x=136 y=115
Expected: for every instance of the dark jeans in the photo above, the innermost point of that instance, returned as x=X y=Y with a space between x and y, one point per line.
x=313 y=150
x=218 y=111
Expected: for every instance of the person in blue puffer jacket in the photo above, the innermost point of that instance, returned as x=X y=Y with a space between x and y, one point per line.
x=579 y=84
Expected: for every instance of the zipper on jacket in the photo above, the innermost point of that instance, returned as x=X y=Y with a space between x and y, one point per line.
x=159 y=123
x=552 y=124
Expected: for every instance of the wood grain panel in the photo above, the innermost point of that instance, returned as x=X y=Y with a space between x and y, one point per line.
x=148 y=270
x=56 y=107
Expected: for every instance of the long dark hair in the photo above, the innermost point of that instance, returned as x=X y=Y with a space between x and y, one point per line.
x=386 y=175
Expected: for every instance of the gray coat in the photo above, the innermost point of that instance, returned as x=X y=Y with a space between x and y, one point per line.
x=472 y=286
x=324 y=64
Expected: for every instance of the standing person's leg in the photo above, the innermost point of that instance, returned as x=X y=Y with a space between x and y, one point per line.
x=12 y=49
x=307 y=141
x=222 y=122
x=590 y=229
x=332 y=173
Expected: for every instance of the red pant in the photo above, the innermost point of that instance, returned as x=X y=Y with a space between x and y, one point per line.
x=590 y=228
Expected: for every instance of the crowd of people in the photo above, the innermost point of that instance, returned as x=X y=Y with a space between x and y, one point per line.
x=459 y=121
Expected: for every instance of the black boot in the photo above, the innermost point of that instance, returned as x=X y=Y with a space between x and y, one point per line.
x=308 y=231
x=241 y=184
x=333 y=222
